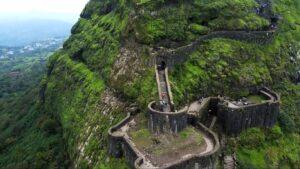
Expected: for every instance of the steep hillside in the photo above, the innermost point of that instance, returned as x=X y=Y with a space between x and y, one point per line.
x=106 y=69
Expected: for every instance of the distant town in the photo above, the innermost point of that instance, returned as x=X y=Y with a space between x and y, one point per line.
x=48 y=45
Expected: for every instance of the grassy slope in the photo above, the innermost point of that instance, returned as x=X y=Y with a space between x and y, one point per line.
x=79 y=74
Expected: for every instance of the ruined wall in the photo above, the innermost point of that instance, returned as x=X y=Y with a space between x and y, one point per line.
x=162 y=122
x=129 y=153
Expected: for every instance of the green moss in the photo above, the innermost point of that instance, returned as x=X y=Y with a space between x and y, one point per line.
x=256 y=98
x=199 y=29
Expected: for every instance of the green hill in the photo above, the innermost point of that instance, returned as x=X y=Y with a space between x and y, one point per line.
x=105 y=67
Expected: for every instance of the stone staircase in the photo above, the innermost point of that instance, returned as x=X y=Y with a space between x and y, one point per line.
x=229 y=162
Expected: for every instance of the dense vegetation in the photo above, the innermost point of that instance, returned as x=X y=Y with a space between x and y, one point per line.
x=18 y=74
x=104 y=67
x=81 y=76
x=29 y=137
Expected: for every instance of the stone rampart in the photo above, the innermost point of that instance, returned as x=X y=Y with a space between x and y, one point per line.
x=236 y=119
x=170 y=95
x=206 y=160
x=162 y=122
x=116 y=139
x=121 y=145
x=181 y=54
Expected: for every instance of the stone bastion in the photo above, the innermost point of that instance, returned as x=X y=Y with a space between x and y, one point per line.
x=236 y=118
x=162 y=122
x=232 y=117
x=122 y=145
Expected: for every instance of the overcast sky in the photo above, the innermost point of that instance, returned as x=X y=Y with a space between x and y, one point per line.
x=67 y=10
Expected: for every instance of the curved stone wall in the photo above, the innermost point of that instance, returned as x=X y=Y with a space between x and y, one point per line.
x=121 y=145
x=162 y=122
x=237 y=119
x=206 y=160
x=116 y=139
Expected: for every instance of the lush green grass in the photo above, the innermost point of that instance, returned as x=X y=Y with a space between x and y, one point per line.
x=256 y=98
x=183 y=21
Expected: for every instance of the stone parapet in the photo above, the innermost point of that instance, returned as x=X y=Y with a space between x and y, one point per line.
x=163 y=122
x=236 y=119
x=206 y=160
x=121 y=145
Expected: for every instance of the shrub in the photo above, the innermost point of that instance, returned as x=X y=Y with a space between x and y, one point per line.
x=199 y=29
x=274 y=133
x=252 y=138
x=50 y=126
x=286 y=123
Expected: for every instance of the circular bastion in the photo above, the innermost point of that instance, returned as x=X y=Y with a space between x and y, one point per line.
x=166 y=122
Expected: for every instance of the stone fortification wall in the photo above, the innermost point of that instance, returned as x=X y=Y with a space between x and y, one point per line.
x=170 y=95
x=206 y=160
x=180 y=55
x=237 y=119
x=204 y=111
x=116 y=139
x=121 y=145
x=163 y=122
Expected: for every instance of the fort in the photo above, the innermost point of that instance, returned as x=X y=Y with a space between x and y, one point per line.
x=164 y=137
x=171 y=139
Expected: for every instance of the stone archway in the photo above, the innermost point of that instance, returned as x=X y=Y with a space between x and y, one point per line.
x=163 y=64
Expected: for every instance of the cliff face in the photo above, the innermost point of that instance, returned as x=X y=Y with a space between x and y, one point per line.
x=106 y=64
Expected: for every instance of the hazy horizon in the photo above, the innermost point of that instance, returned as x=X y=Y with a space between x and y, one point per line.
x=63 y=10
